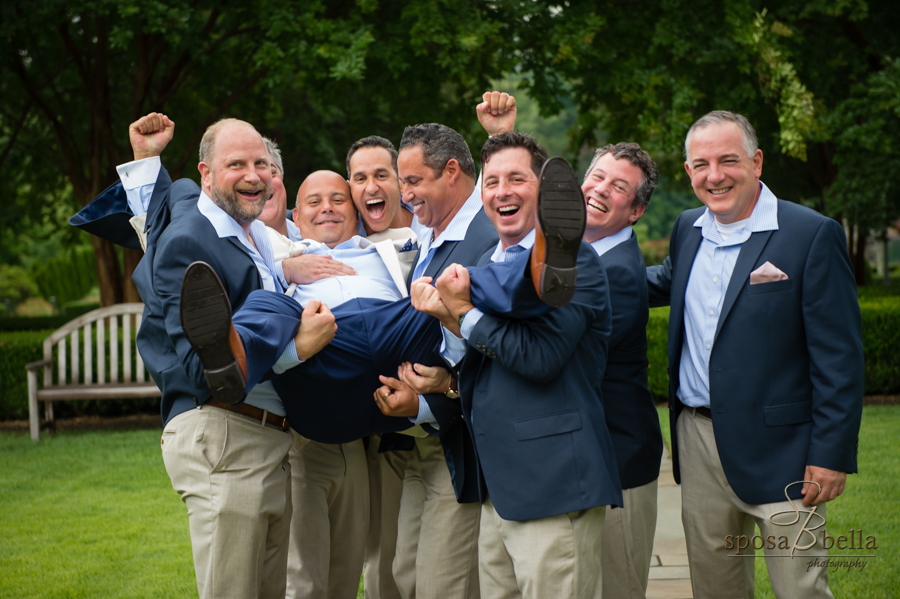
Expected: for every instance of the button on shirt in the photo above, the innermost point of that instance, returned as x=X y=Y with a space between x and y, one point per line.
x=139 y=178
x=705 y=294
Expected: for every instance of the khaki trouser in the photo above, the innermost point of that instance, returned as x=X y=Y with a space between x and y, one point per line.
x=558 y=556
x=437 y=539
x=628 y=543
x=232 y=473
x=330 y=489
x=386 y=472
x=711 y=512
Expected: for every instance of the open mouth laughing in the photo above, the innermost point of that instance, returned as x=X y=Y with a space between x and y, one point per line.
x=596 y=206
x=507 y=211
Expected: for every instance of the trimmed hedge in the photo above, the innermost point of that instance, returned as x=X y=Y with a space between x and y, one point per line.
x=16 y=350
x=881 y=342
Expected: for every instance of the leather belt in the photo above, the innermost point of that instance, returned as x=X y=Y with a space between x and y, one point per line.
x=280 y=422
x=702 y=411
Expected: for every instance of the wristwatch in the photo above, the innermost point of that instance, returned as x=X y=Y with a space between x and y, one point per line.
x=462 y=317
x=453 y=388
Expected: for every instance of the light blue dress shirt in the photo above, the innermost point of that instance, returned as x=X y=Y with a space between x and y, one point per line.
x=707 y=284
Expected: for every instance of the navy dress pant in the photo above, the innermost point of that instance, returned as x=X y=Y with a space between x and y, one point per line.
x=329 y=398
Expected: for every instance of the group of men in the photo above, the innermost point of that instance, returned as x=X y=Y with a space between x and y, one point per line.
x=509 y=447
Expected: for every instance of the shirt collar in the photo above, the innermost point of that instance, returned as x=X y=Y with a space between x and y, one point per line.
x=525 y=243
x=601 y=246
x=763 y=218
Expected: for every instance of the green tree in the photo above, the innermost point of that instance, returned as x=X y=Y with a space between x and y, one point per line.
x=817 y=78
x=314 y=75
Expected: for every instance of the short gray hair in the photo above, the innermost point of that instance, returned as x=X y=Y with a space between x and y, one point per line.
x=208 y=143
x=439 y=145
x=633 y=153
x=274 y=155
x=719 y=117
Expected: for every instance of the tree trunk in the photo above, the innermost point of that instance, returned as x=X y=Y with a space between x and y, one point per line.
x=859 y=258
x=132 y=257
x=109 y=277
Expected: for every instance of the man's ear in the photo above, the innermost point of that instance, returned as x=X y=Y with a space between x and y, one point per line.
x=205 y=175
x=452 y=171
x=636 y=213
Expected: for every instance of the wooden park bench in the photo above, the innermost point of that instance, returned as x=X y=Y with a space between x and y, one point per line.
x=82 y=375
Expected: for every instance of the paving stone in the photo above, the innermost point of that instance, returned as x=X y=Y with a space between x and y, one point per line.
x=670 y=573
x=669 y=547
x=669 y=589
x=672 y=560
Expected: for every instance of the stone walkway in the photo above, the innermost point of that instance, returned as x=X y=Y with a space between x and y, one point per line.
x=669 y=574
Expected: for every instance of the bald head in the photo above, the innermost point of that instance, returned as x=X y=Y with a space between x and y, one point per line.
x=325 y=212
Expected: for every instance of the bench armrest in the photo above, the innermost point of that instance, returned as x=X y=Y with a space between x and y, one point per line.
x=37 y=365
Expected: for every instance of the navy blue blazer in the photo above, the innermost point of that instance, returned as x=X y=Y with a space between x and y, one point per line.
x=177 y=234
x=630 y=413
x=531 y=400
x=480 y=237
x=786 y=368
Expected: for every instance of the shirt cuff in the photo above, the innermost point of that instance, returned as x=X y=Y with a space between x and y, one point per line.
x=288 y=359
x=453 y=349
x=469 y=322
x=425 y=415
x=138 y=173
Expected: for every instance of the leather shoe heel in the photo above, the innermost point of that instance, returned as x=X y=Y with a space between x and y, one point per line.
x=206 y=320
x=560 y=227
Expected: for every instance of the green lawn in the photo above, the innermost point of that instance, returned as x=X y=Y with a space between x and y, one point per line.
x=94 y=515
x=871 y=502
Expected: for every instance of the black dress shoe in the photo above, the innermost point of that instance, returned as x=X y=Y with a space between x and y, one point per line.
x=206 y=320
x=561 y=220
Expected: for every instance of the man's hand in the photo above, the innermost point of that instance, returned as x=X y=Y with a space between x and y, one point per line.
x=832 y=483
x=317 y=329
x=453 y=285
x=497 y=113
x=396 y=399
x=150 y=135
x=424 y=379
x=309 y=268
x=425 y=298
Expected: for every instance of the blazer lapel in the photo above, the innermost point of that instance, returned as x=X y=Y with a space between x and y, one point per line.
x=438 y=261
x=235 y=241
x=682 y=269
x=388 y=254
x=750 y=251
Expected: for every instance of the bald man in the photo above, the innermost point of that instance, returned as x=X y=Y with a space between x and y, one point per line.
x=329 y=482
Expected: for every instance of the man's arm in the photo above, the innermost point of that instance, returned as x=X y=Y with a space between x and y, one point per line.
x=832 y=324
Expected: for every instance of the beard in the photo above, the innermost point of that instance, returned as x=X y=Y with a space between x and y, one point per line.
x=244 y=213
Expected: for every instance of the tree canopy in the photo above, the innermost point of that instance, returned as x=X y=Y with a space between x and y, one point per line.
x=819 y=79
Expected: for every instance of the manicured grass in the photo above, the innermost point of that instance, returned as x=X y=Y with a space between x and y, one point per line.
x=94 y=515
x=91 y=515
x=871 y=502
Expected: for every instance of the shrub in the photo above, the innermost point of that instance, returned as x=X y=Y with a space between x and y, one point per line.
x=17 y=350
x=881 y=344
x=15 y=284
x=654 y=250
x=68 y=277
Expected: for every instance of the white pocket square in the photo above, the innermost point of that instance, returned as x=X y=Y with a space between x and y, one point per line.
x=767 y=273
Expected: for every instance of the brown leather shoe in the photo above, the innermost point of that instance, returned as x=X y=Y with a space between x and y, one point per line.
x=206 y=320
x=560 y=226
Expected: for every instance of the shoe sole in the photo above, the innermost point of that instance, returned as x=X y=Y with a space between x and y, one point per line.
x=206 y=321
x=562 y=217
